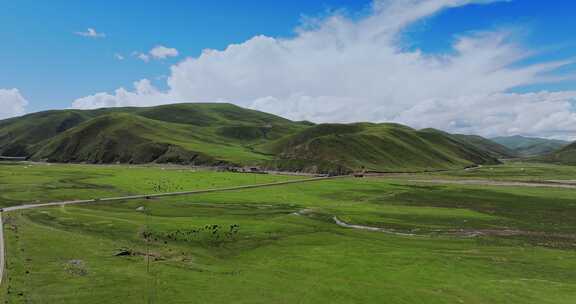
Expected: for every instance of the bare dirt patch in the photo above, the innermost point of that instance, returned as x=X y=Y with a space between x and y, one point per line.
x=76 y=268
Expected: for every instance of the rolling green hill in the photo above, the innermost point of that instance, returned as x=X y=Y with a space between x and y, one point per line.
x=182 y=133
x=225 y=134
x=530 y=146
x=18 y=134
x=564 y=156
x=376 y=147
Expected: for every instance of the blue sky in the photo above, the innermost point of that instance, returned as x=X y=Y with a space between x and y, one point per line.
x=52 y=66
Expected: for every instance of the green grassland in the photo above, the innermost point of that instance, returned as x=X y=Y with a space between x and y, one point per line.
x=281 y=244
x=513 y=171
x=40 y=182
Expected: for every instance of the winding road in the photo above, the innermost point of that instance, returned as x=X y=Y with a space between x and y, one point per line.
x=137 y=197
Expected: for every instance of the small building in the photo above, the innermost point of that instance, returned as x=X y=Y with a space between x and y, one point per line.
x=360 y=173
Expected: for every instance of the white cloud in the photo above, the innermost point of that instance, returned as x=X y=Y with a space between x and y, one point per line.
x=162 y=52
x=143 y=57
x=118 y=56
x=144 y=94
x=547 y=114
x=157 y=52
x=91 y=33
x=339 y=69
x=11 y=103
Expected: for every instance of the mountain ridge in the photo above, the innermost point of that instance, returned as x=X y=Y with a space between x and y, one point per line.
x=525 y=146
x=225 y=134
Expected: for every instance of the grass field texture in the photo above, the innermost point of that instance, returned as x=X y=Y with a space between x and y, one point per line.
x=281 y=244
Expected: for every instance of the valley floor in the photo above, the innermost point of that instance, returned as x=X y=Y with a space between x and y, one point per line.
x=451 y=241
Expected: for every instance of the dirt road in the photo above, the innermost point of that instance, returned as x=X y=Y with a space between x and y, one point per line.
x=138 y=197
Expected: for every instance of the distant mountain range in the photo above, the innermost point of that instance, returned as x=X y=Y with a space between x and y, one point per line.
x=495 y=149
x=227 y=135
x=530 y=146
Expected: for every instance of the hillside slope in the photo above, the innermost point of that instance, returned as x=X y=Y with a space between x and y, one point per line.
x=376 y=147
x=119 y=137
x=530 y=146
x=494 y=149
x=215 y=134
x=564 y=156
x=18 y=134
x=224 y=131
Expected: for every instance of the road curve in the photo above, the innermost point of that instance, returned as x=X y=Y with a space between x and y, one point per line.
x=137 y=197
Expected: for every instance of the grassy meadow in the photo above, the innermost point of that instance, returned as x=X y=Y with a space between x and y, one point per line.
x=40 y=182
x=514 y=171
x=281 y=244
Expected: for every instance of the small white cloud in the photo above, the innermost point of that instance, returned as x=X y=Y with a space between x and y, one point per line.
x=118 y=56
x=143 y=57
x=158 y=52
x=11 y=103
x=91 y=33
x=162 y=52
